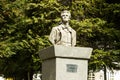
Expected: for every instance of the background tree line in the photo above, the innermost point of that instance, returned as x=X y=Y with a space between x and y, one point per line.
x=25 y=26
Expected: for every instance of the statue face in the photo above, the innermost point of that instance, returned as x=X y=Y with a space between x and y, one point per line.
x=65 y=17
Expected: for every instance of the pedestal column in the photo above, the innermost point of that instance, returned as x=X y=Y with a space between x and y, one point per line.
x=65 y=63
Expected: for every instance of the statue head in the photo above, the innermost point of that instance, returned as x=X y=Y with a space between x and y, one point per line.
x=65 y=15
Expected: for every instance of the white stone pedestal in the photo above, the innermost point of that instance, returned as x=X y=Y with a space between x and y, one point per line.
x=65 y=63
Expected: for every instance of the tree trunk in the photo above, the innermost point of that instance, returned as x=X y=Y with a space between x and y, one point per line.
x=105 y=73
x=30 y=75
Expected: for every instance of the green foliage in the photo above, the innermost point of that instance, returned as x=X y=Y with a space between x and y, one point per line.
x=26 y=24
x=99 y=59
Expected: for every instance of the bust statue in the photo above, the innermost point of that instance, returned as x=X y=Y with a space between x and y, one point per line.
x=63 y=34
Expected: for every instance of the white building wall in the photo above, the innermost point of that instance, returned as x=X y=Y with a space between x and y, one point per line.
x=117 y=75
x=111 y=75
x=99 y=75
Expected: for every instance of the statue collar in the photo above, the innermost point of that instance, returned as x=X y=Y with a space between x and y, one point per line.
x=66 y=27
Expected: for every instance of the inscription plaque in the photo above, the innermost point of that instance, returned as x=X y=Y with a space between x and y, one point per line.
x=72 y=68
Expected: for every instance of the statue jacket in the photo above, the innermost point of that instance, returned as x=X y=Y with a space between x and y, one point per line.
x=58 y=36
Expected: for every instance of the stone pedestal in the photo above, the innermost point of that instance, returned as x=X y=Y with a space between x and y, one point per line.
x=65 y=63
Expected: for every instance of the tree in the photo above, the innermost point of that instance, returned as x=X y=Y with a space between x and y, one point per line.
x=26 y=24
x=18 y=43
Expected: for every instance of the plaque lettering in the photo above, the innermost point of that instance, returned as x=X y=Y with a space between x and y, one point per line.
x=72 y=68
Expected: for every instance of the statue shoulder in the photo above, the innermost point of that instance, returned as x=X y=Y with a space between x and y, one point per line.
x=74 y=31
x=59 y=27
x=71 y=29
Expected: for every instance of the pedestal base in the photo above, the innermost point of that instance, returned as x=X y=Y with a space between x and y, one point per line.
x=65 y=63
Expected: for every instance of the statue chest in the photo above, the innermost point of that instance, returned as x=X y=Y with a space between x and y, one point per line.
x=66 y=36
